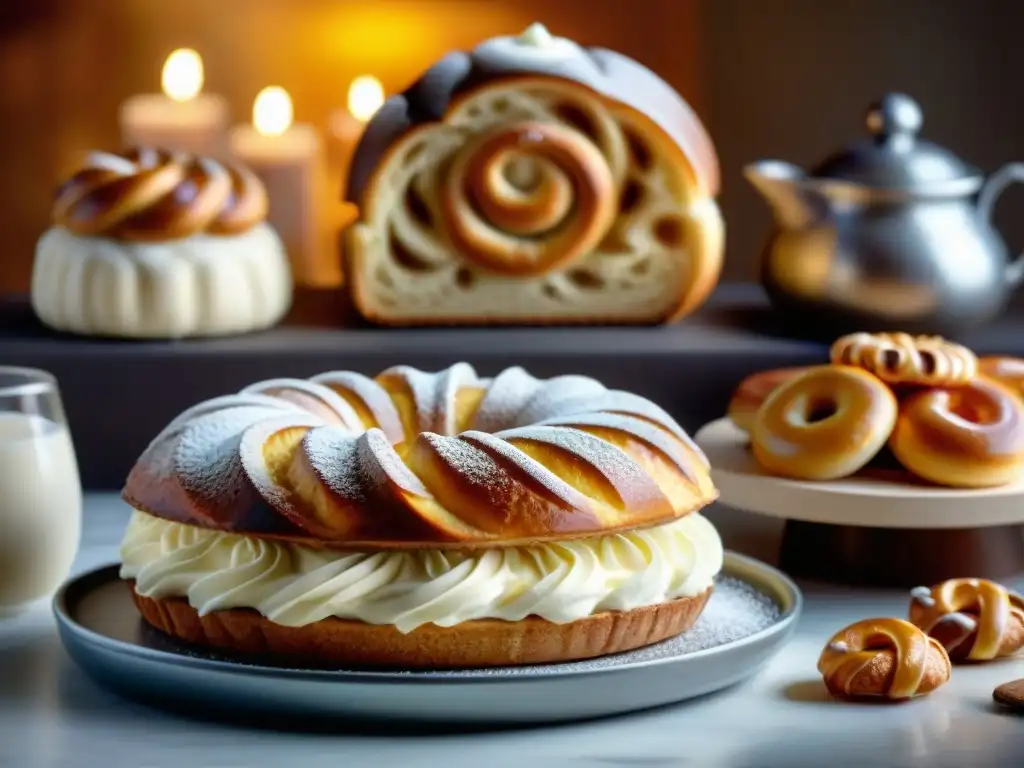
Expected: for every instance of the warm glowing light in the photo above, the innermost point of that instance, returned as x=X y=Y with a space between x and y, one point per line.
x=365 y=97
x=182 y=76
x=272 y=111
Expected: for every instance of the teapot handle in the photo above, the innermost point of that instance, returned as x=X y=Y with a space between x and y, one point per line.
x=990 y=192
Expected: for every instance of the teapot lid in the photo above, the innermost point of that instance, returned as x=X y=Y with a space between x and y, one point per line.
x=894 y=157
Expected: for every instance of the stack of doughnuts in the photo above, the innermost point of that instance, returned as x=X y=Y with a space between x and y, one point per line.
x=945 y=418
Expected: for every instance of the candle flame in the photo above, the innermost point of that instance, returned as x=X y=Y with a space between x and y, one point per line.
x=272 y=111
x=182 y=76
x=365 y=97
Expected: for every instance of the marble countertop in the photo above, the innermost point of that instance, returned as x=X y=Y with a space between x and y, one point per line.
x=52 y=716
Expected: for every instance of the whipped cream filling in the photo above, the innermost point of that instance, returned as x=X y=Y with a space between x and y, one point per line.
x=294 y=585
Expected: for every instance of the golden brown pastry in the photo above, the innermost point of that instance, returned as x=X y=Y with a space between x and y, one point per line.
x=974 y=619
x=1005 y=370
x=754 y=390
x=155 y=195
x=899 y=358
x=823 y=424
x=154 y=244
x=532 y=180
x=969 y=436
x=883 y=659
x=423 y=520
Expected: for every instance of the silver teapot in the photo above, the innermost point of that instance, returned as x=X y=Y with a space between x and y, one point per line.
x=894 y=233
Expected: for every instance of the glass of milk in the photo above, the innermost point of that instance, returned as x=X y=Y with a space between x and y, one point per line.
x=40 y=493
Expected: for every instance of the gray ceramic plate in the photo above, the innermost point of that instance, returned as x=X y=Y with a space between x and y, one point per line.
x=751 y=614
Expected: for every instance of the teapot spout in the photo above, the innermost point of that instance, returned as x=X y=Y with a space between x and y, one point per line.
x=794 y=203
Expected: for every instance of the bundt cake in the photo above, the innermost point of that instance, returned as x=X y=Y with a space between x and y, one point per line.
x=422 y=520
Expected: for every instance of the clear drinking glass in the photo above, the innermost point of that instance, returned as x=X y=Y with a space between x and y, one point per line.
x=40 y=491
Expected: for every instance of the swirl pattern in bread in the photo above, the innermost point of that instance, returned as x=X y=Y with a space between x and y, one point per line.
x=411 y=459
x=519 y=184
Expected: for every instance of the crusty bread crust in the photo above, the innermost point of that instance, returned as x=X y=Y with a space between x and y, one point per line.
x=482 y=643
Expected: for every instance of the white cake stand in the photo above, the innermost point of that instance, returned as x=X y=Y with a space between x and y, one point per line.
x=877 y=529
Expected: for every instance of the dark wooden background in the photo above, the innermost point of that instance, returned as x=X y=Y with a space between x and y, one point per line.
x=785 y=78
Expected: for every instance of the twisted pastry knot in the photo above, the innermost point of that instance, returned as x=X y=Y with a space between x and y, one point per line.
x=414 y=459
x=898 y=358
x=974 y=619
x=153 y=195
x=883 y=658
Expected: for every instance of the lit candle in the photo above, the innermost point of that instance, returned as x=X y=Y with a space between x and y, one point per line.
x=365 y=97
x=287 y=157
x=182 y=117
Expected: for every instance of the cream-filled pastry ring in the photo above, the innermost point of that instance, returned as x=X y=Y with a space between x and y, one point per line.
x=823 y=424
x=483 y=521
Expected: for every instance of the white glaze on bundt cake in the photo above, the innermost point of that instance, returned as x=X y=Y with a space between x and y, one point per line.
x=422 y=460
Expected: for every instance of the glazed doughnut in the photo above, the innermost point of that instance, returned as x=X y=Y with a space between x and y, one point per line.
x=752 y=392
x=970 y=436
x=1005 y=370
x=883 y=658
x=974 y=619
x=898 y=358
x=823 y=424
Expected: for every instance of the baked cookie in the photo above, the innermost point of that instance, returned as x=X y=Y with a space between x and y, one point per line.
x=534 y=181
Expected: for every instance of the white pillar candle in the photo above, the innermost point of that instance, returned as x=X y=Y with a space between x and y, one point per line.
x=287 y=156
x=182 y=117
x=346 y=125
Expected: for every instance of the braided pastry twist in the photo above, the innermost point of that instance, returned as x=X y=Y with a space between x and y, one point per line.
x=155 y=195
x=974 y=619
x=899 y=358
x=883 y=658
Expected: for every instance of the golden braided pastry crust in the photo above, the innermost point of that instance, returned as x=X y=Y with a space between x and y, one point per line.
x=410 y=460
x=151 y=195
x=974 y=619
x=883 y=658
x=899 y=358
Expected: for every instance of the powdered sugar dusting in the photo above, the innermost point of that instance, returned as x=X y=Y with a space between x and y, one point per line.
x=528 y=466
x=331 y=399
x=334 y=456
x=373 y=397
x=379 y=463
x=207 y=461
x=250 y=450
x=642 y=430
x=506 y=396
x=632 y=483
x=448 y=385
x=553 y=393
x=473 y=465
